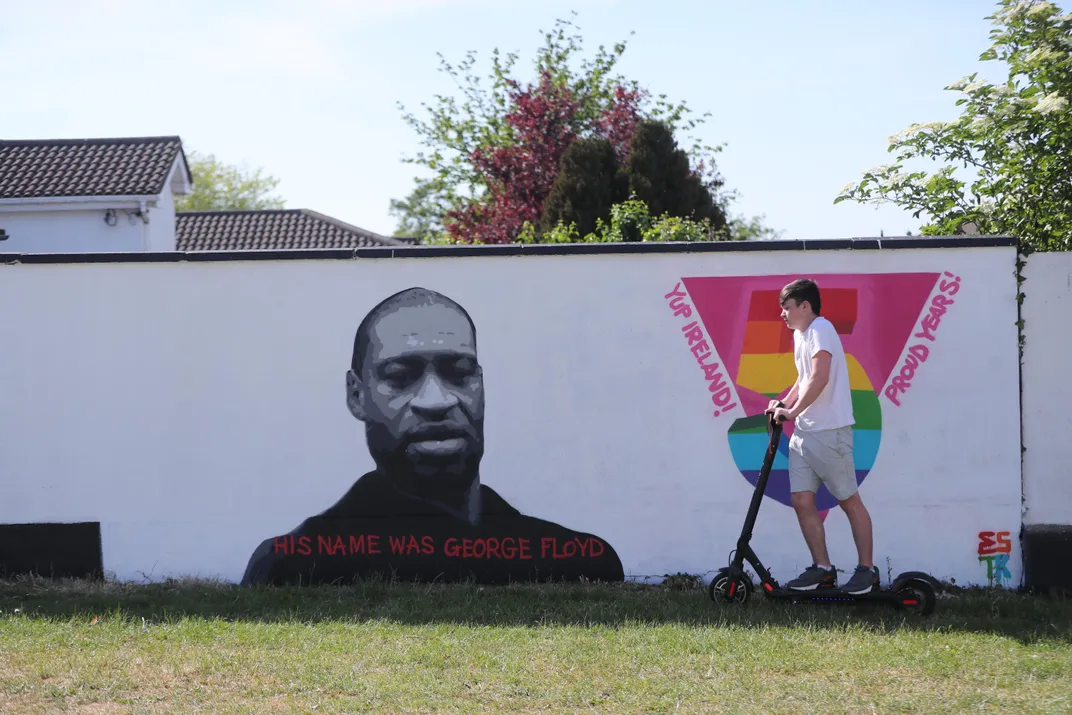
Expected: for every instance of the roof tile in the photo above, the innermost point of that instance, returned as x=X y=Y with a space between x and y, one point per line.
x=271 y=229
x=86 y=167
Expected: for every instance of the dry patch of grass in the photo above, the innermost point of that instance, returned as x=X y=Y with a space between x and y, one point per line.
x=203 y=647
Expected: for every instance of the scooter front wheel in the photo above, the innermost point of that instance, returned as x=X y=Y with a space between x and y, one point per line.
x=726 y=589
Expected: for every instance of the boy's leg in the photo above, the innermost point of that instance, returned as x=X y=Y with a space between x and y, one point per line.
x=860 y=521
x=832 y=458
x=811 y=525
x=803 y=483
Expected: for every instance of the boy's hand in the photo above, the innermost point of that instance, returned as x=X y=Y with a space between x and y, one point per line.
x=781 y=414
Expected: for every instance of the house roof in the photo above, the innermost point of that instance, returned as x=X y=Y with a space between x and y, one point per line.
x=137 y=166
x=269 y=229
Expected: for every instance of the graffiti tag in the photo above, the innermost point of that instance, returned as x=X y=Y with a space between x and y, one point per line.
x=918 y=352
x=717 y=385
x=994 y=550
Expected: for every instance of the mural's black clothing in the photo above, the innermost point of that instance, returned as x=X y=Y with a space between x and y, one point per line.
x=377 y=529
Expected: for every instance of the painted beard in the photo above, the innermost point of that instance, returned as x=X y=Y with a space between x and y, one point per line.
x=436 y=457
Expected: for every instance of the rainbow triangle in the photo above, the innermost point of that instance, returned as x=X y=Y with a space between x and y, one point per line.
x=874 y=314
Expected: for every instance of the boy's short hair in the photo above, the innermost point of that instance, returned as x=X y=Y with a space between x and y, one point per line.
x=800 y=290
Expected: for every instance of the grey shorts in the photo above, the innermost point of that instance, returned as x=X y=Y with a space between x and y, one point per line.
x=822 y=457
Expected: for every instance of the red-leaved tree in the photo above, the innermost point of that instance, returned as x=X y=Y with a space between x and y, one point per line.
x=493 y=149
x=543 y=123
x=619 y=121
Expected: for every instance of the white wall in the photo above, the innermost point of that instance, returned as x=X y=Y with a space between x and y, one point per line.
x=72 y=231
x=160 y=231
x=196 y=409
x=1047 y=392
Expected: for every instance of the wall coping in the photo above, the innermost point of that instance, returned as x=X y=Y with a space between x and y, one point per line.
x=515 y=249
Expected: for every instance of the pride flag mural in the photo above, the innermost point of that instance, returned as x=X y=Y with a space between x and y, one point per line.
x=873 y=313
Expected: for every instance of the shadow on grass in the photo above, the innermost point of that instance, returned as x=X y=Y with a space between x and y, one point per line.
x=1025 y=618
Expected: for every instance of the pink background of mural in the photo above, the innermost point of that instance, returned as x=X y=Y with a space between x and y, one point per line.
x=888 y=310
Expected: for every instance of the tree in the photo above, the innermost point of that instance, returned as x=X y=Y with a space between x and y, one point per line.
x=518 y=175
x=630 y=221
x=420 y=214
x=652 y=170
x=660 y=176
x=589 y=183
x=741 y=228
x=1006 y=161
x=220 y=187
x=495 y=154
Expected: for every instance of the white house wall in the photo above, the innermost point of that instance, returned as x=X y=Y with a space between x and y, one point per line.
x=160 y=231
x=72 y=231
x=199 y=410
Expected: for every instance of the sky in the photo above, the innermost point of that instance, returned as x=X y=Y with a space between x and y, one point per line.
x=802 y=95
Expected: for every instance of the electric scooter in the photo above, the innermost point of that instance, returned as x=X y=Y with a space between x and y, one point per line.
x=912 y=590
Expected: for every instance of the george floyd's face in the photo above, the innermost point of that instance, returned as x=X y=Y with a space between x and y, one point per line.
x=421 y=392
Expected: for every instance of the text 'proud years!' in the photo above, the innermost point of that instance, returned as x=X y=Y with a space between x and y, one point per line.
x=721 y=394
x=919 y=352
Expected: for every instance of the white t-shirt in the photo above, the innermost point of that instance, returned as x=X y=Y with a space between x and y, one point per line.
x=833 y=407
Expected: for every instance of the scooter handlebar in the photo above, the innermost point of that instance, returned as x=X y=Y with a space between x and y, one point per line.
x=770 y=415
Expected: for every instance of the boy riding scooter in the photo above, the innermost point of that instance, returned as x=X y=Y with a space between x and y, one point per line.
x=821 y=448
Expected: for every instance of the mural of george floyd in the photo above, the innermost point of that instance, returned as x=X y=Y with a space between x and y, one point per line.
x=502 y=415
x=416 y=383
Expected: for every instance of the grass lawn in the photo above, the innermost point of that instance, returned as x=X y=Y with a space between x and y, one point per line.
x=202 y=647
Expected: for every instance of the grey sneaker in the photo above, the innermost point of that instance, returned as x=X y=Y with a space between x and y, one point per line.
x=864 y=580
x=814 y=577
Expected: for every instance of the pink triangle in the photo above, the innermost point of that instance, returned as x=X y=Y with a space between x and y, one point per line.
x=888 y=310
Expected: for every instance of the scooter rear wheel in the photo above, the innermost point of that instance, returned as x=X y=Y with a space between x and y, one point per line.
x=724 y=589
x=917 y=596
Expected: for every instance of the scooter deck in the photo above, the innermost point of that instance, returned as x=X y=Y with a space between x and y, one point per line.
x=831 y=594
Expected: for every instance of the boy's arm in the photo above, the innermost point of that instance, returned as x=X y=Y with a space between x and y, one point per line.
x=820 y=368
x=790 y=398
